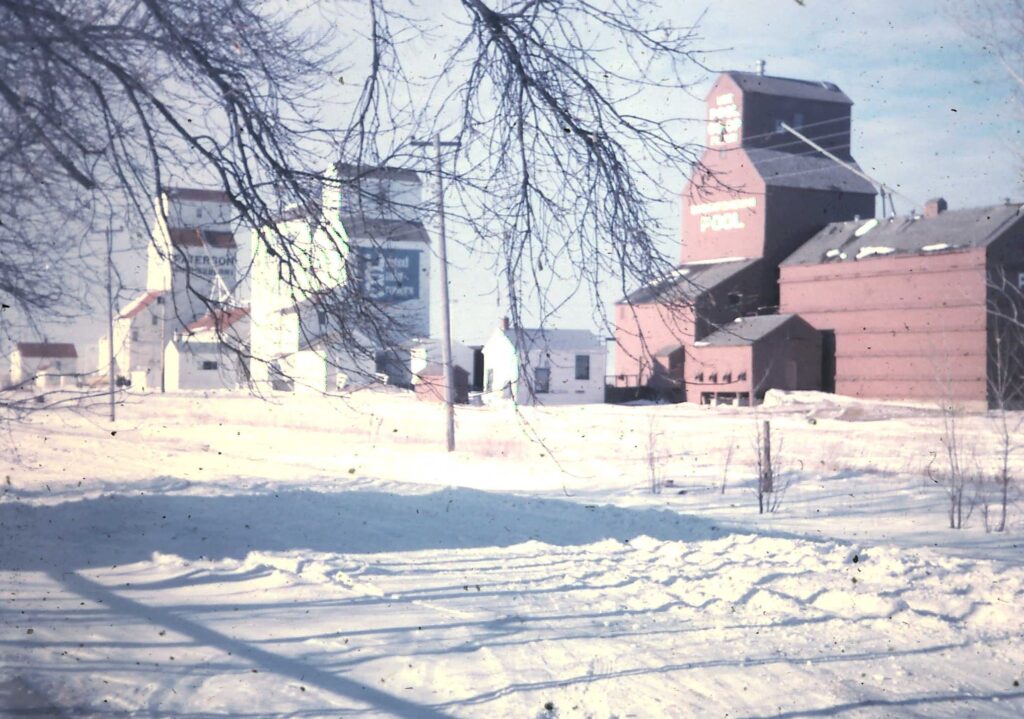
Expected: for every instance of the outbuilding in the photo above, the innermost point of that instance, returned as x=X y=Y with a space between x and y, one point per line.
x=46 y=364
x=742 y=360
x=925 y=307
x=544 y=366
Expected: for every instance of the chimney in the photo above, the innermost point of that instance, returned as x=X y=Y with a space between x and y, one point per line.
x=760 y=67
x=504 y=323
x=935 y=207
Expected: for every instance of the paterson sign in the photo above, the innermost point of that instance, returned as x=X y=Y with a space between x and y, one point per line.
x=387 y=275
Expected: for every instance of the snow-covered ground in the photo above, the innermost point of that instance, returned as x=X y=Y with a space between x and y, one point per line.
x=224 y=556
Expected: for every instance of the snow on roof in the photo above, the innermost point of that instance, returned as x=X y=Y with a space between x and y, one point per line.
x=140 y=303
x=975 y=227
x=47 y=349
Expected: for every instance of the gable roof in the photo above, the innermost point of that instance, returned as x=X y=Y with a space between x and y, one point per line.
x=752 y=82
x=550 y=339
x=196 y=237
x=218 y=320
x=950 y=231
x=56 y=350
x=806 y=171
x=688 y=281
x=133 y=308
x=746 y=330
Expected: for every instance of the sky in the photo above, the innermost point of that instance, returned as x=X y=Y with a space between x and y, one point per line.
x=934 y=115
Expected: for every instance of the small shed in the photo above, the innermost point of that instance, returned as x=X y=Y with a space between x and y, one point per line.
x=192 y=364
x=744 y=359
x=544 y=366
x=47 y=364
x=430 y=387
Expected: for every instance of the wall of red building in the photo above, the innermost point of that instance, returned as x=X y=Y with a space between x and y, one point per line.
x=641 y=331
x=906 y=327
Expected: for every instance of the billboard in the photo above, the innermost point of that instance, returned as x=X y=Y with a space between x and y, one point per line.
x=388 y=275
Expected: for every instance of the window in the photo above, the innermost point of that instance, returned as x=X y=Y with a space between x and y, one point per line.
x=741 y=376
x=209 y=364
x=1020 y=281
x=159 y=300
x=582 y=366
x=321 y=317
x=541 y=380
x=727 y=377
x=713 y=377
x=135 y=334
x=699 y=377
x=489 y=382
x=155 y=320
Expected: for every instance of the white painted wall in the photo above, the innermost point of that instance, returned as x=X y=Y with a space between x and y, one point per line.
x=505 y=368
x=44 y=372
x=185 y=367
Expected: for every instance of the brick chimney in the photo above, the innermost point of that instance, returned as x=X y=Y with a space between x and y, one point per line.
x=935 y=207
x=504 y=323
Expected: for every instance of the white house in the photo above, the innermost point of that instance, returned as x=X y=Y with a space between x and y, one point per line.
x=544 y=366
x=196 y=365
x=45 y=364
x=209 y=353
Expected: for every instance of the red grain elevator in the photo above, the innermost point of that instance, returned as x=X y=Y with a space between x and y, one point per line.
x=758 y=194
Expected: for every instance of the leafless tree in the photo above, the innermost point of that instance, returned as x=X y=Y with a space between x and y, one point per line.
x=954 y=469
x=1006 y=375
x=106 y=104
x=772 y=480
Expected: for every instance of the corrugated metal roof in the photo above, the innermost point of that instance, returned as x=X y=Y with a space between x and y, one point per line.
x=745 y=331
x=50 y=350
x=807 y=171
x=949 y=231
x=687 y=282
x=789 y=87
x=380 y=230
x=552 y=339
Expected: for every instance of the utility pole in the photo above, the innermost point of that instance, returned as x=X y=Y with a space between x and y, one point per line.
x=446 y=327
x=110 y=318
